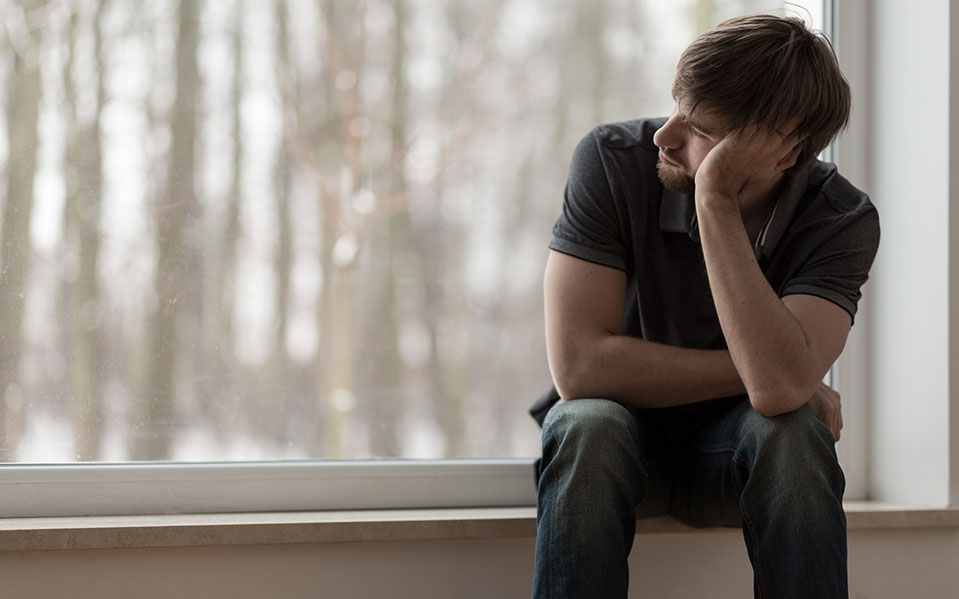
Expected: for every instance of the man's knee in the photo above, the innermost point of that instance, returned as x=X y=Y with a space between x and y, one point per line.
x=588 y=421
x=795 y=450
x=590 y=434
x=591 y=449
x=800 y=430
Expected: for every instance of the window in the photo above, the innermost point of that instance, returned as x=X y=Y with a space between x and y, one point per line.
x=273 y=231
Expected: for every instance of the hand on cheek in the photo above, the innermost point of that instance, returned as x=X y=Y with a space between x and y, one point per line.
x=742 y=158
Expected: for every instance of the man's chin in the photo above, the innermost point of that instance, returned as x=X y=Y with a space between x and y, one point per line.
x=674 y=180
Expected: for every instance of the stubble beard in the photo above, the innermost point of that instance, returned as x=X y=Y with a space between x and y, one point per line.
x=674 y=179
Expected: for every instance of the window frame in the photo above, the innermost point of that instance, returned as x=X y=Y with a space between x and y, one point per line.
x=140 y=488
x=846 y=26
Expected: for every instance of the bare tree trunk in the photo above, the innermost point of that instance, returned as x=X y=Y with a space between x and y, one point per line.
x=595 y=33
x=703 y=15
x=445 y=305
x=218 y=389
x=172 y=281
x=82 y=241
x=23 y=101
x=325 y=441
x=337 y=352
x=562 y=99
x=278 y=378
x=226 y=296
x=441 y=249
x=380 y=381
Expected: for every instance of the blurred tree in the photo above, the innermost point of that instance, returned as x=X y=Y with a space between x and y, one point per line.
x=434 y=140
x=279 y=379
x=314 y=120
x=703 y=15
x=81 y=240
x=594 y=16
x=174 y=215
x=440 y=244
x=24 y=27
x=217 y=386
x=340 y=22
x=381 y=394
x=220 y=385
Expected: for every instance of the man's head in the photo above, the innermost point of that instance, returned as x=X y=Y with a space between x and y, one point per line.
x=763 y=70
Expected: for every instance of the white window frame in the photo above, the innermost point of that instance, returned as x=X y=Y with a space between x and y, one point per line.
x=845 y=25
x=176 y=488
x=104 y=489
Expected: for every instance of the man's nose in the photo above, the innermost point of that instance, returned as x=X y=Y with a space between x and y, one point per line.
x=669 y=135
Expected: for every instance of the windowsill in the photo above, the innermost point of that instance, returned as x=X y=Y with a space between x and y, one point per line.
x=124 y=532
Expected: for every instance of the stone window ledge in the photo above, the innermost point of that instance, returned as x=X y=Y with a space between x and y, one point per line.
x=198 y=530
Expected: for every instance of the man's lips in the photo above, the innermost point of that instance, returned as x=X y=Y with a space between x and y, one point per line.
x=665 y=160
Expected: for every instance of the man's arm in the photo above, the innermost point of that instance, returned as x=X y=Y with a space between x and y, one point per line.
x=782 y=348
x=589 y=356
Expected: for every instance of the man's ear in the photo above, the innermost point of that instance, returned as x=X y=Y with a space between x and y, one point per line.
x=789 y=160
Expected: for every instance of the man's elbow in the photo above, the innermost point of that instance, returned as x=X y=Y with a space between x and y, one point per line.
x=567 y=385
x=768 y=407
x=570 y=377
x=776 y=401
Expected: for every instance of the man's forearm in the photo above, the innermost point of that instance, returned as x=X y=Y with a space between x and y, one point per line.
x=644 y=374
x=766 y=342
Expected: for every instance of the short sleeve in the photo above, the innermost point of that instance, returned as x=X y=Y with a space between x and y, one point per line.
x=837 y=268
x=588 y=227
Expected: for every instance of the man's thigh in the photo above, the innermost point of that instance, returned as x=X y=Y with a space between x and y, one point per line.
x=709 y=472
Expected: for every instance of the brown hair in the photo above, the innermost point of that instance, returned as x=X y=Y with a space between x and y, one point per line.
x=768 y=71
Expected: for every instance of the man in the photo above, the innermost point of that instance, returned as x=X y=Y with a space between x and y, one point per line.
x=703 y=278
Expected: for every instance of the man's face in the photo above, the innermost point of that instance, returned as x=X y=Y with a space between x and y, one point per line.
x=683 y=143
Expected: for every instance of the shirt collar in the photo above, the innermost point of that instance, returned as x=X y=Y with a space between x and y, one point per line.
x=783 y=212
x=677 y=213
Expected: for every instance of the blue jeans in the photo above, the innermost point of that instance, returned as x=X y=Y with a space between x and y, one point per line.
x=714 y=463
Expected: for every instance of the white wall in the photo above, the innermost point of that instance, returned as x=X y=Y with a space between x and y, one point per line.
x=898 y=150
x=954 y=255
x=883 y=565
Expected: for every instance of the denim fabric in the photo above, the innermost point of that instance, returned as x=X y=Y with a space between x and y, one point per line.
x=715 y=463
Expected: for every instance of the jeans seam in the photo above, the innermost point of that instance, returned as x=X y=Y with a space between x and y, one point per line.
x=748 y=527
x=551 y=505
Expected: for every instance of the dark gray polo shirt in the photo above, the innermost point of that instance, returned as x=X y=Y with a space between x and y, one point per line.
x=820 y=239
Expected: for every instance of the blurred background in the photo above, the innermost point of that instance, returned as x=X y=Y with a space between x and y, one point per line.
x=268 y=229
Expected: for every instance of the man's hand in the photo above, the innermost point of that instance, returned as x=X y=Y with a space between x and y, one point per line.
x=750 y=156
x=826 y=403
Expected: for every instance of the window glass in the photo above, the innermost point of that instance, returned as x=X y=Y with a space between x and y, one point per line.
x=237 y=230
